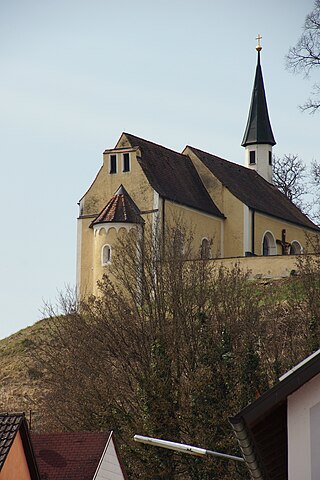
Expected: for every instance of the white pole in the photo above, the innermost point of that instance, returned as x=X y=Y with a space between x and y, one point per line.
x=183 y=448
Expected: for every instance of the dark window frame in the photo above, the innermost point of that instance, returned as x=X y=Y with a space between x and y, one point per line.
x=252 y=157
x=113 y=163
x=126 y=162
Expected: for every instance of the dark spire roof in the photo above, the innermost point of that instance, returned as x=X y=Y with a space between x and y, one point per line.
x=258 y=129
x=120 y=208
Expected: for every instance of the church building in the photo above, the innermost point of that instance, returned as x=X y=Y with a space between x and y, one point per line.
x=233 y=210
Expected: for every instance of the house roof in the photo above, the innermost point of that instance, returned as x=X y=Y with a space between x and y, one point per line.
x=10 y=425
x=173 y=176
x=69 y=455
x=261 y=427
x=258 y=129
x=253 y=190
x=120 y=208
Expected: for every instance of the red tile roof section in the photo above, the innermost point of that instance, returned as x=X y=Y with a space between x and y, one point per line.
x=69 y=455
x=120 y=208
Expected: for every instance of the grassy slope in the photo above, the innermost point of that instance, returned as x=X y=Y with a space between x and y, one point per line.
x=18 y=383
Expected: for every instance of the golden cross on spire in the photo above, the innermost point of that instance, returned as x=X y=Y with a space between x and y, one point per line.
x=258 y=47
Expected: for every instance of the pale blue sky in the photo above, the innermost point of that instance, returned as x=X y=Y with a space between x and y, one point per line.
x=75 y=74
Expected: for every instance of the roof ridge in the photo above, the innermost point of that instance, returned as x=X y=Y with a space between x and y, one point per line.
x=223 y=159
x=242 y=167
x=156 y=144
x=123 y=204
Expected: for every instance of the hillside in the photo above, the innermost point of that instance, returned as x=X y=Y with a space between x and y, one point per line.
x=19 y=384
x=177 y=368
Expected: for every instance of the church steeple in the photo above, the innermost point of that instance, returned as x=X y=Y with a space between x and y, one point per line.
x=258 y=138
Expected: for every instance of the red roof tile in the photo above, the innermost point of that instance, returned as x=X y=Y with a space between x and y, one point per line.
x=120 y=208
x=69 y=455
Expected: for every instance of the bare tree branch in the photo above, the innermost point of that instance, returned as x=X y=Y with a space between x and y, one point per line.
x=305 y=55
x=289 y=176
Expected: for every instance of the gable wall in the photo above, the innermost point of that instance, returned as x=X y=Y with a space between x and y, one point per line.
x=228 y=204
x=303 y=417
x=109 y=468
x=15 y=466
x=234 y=225
x=105 y=184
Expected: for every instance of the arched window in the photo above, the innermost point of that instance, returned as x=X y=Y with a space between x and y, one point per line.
x=106 y=255
x=295 y=248
x=205 y=249
x=269 y=246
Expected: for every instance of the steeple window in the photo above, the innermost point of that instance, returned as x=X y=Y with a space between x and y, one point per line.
x=270 y=157
x=252 y=157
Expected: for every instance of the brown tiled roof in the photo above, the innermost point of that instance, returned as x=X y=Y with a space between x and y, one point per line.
x=69 y=455
x=173 y=176
x=120 y=208
x=10 y=425
x=253 y=190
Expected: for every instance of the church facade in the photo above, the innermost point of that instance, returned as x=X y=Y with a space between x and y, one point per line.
x=233 y=210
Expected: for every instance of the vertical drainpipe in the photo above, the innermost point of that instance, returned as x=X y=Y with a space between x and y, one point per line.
x=252 y=232
x=163 y=225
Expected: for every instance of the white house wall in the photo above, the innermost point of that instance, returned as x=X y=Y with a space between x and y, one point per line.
x=304 y=432
x=109 y=467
